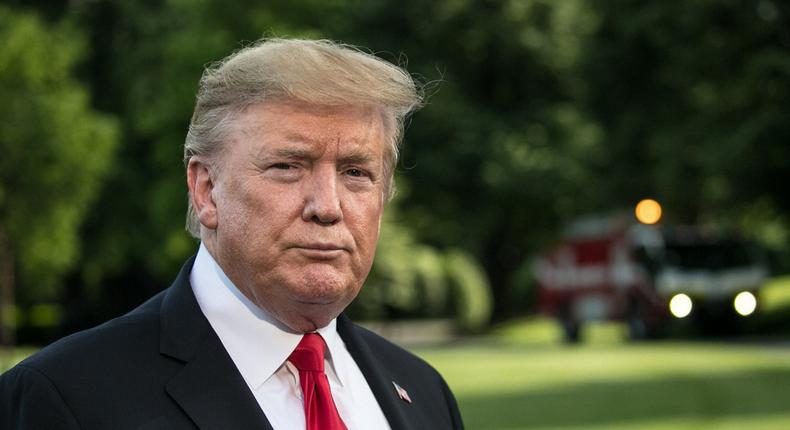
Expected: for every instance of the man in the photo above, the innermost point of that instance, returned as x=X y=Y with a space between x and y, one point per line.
x=290 y=155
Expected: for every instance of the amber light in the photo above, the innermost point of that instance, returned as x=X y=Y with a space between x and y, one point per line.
x=648 y=211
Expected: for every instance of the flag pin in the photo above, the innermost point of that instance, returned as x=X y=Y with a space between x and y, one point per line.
x=402 y=393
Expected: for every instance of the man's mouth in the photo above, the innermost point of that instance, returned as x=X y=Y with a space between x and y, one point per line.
x=321 y=250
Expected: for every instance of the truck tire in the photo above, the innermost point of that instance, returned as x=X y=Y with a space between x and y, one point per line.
x=571 y=329
x=640 y=325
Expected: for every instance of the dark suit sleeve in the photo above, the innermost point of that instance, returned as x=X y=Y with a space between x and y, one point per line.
x=455 y=413
x=30 y=401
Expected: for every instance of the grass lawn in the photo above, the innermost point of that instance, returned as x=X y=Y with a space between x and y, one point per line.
x=11 y=356
x=522 y=378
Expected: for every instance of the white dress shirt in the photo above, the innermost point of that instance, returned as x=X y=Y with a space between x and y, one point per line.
x=259 y=345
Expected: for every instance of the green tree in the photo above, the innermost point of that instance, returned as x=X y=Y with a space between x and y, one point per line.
x=692 y=98
x=55 y=150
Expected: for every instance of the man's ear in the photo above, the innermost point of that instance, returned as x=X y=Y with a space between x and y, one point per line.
x=201 y=187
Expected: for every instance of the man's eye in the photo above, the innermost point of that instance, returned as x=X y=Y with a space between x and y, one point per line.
x=357 y=173
x=282 y=166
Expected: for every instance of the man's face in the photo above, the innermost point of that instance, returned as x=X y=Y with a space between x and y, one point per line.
x=298 y=199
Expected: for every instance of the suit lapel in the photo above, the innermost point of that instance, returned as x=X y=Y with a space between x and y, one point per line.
x=209 y=388
x=379 y=380
x=214 y=395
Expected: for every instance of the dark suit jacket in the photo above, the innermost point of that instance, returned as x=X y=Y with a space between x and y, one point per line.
x=163 y=367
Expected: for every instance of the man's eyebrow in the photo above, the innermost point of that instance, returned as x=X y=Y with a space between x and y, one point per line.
x=293 y=152
x=306 y=154
x=356 y=158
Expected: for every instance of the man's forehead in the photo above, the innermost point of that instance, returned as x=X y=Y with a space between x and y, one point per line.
x=301 y=128
x=296 y=108
x=322 y=139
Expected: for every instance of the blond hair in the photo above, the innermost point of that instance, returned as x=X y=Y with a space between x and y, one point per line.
x=319 y=72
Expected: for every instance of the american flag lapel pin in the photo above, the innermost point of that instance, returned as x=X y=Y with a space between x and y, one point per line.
x=402 y=393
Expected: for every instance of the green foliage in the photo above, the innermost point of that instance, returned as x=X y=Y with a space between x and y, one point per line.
x=410 y=279
x=775 y=296
x=470 y=289
x=54 y=148
x=693 y=99
x=407 y=278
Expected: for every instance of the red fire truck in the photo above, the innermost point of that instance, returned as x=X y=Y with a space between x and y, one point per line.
x=609 y=268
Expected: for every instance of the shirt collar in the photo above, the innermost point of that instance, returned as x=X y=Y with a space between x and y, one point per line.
x=336 y=347
x=257 y=342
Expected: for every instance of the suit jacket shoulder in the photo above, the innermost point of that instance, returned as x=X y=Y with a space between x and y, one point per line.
x=159 y=367
x=391 y=372
x=83 y=372
x=109 y=343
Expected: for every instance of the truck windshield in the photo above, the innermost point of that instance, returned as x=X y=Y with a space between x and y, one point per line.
x=708 y=256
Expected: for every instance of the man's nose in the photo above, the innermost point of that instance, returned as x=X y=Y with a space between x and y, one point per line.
x=322 y=201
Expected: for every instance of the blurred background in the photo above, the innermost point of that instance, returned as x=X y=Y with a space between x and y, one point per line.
x=514 y=257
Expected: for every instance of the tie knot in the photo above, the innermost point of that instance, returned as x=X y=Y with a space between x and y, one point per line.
x=309 y=354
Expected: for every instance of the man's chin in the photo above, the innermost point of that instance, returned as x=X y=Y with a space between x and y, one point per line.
x=310 y=297
x=323 y=296
x=320 y=285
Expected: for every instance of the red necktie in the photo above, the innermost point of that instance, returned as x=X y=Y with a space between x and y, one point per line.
x=319 y=407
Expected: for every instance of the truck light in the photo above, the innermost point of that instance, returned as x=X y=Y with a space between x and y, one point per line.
x=680 y=305
x=745 y=303
x=648 y=211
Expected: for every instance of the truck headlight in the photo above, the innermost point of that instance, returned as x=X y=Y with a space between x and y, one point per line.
x=680 y=305
x=745 y=303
